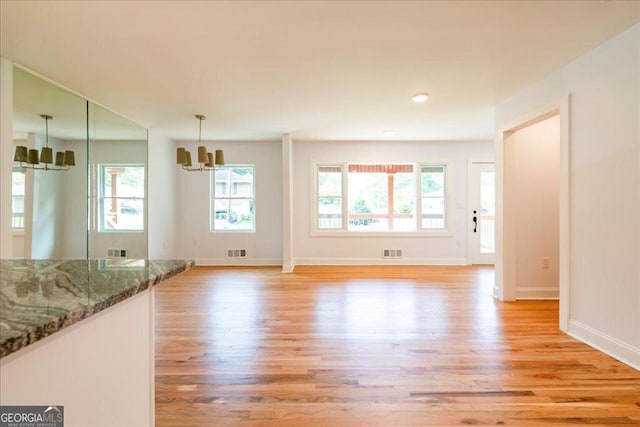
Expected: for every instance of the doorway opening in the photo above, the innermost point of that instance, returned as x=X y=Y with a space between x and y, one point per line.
x=531 y=208
x=519 y=259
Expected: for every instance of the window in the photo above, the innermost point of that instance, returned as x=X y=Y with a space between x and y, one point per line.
x=235 y=211
x=17 y=197
x=121 y=197
x=432 y=179
x=329 y=200
x=381 y=197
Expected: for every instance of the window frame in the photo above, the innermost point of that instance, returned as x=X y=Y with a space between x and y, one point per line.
x=419 y=231
x=316 y=197
x=101 y=198
x=445 y=197
x=230 y=196
x=18 y=231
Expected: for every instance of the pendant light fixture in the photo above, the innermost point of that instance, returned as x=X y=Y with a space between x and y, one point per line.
x=29 y=158
x=206 y=160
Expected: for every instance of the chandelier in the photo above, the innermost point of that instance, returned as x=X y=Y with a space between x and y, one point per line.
x=206 y=160
x=29 y=158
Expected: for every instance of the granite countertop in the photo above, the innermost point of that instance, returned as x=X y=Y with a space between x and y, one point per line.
x=41 y=297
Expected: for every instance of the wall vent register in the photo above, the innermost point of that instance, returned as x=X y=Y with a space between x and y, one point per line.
x=392 y=253
x=117 y=253
x=236 y=253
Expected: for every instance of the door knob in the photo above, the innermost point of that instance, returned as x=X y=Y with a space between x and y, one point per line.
x=475 y=222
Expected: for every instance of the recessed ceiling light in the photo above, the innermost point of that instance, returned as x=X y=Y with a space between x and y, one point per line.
x=389 y=132
x=419 y=98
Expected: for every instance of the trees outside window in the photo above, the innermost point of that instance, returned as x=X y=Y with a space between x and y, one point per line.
x=391 y=197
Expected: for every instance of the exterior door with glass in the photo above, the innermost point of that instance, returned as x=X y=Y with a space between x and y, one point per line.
x=481 y=213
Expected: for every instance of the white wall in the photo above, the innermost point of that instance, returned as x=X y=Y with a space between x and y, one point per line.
x=75 y=200
x=55 y=209
x=48 y=207
x=604 y=291
x=161 y=191
x=122 y=152
x=451 y=249
x=19 y=247
x=44 y=208
x=195 y=240
x=534 y=182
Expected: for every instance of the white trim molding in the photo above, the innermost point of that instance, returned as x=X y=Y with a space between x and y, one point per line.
x=615 y=348
x=537 y=292
x=564 y=232
x=245 y=262
x=287 y=202
x=375 y=261
x=288 y=268
x=505 y=288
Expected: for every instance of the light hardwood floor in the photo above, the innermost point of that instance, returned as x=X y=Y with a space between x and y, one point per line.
x=354 y=346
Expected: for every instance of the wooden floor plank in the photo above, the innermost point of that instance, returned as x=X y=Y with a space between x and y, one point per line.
x=373 y=345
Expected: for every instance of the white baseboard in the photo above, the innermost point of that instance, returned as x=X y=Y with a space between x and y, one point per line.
x=250 y=262
x=497 y=294
x=245 y=262
x=288 y=268
x=379 y=261
x=535 y=292
x=615 y=348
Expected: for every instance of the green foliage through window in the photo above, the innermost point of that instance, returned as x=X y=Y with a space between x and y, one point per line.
x=381 y=197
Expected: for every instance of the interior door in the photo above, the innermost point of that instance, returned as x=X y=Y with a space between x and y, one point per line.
x=481 y=213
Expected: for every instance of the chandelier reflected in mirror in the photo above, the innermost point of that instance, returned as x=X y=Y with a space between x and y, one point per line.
x=28 y=158
x=206 y=160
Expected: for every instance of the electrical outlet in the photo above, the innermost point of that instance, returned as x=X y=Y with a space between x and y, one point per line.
x=545 y=263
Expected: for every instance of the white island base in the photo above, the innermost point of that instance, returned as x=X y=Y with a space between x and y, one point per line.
x=100 y=369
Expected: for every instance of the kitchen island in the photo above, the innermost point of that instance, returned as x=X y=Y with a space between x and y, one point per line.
x=79 y=334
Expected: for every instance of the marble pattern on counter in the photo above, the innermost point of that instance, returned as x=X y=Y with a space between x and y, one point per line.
x=41 y=297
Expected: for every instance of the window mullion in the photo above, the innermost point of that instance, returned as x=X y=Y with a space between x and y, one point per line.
x=445 y=197
x=345 y=197
x=418 y=195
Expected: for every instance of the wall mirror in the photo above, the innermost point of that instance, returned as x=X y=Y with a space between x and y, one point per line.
x=49 y=207
x=93 y=208
x=118 y=175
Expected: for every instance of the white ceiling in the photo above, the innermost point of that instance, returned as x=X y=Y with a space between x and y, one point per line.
x=318 y=70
